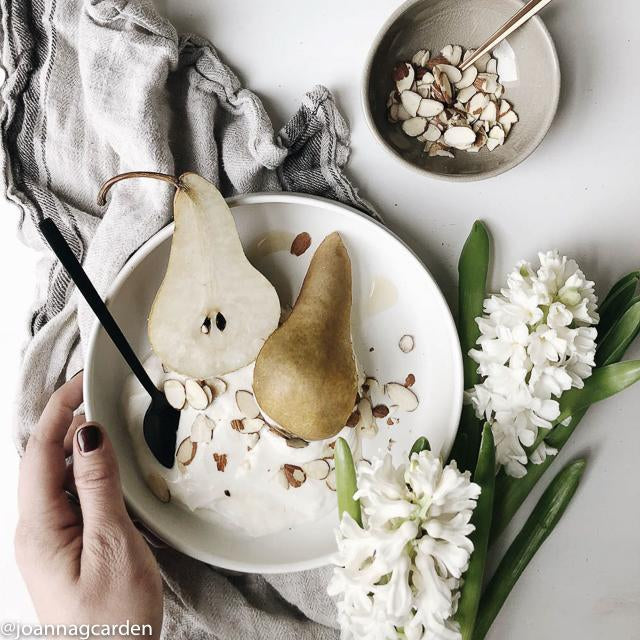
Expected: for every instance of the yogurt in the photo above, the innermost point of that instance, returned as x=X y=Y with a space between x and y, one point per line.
x=243 y=487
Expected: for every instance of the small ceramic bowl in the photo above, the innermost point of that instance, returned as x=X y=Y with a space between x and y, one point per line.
x=527 y=64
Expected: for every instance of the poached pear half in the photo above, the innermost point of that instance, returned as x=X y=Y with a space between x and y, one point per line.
x=305 y=375
x=213 y=310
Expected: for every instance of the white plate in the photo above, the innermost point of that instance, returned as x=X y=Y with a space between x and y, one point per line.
x=415 y=306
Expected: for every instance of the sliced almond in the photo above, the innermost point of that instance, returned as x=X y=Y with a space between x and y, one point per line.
x=437 y=149
x=429 y=108
x=208 y=392
x=175 y=393
x=247 y=405
x=403 y=74
x=401 y=396
x=453 y=73
x=467 y=79
x=411 y=101
x=477 y=104
x=464 y=95
x=402 y=114
x=295 y=475
x=186 y=451
x=425 y=79
x=492 y=66
x=159 y=487
x=487 y=82
x=316 y=469
x=218 y=385
x=196 y=395
x=410 y=380
x=432 y=133
x=252 y=425
x=436 y=60
x=459 y=137
x=510 y=117
x=489 y=113
x=372 y=386
x=424 y=90
x=202 y=429
x=443 y=83
x=499 y=91
x=497 y=133
x=414 y=126
x=419 y=57
x=331 y=480
x=406 y=343
x=366 y=424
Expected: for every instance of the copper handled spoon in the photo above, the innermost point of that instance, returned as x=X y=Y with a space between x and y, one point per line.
x=515 y=22
x=160 y=425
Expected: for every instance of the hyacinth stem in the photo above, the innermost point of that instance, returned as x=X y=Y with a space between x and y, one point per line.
x=512 y=492
x=544 y=517
x=346 y=481
x=473 y=267
x=485 y=476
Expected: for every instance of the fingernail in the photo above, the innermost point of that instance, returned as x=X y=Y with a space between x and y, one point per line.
x=89 y=438
x=77 y=373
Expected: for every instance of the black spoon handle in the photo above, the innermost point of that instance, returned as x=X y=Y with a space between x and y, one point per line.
x=61 y=248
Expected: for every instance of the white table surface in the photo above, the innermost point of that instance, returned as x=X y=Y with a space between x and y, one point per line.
x=578 y=192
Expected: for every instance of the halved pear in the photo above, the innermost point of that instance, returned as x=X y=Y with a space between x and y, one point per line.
x=305 y=375
x=213 y=310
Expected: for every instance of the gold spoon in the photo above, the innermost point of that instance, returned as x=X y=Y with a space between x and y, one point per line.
x=515 y=22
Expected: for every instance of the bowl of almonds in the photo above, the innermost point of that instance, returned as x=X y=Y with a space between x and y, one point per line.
x=454 y=124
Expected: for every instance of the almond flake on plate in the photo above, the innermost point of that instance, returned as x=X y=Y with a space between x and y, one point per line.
x=401 y=396
x=247 y=404
x=202 y=428
x=295 y=475
x=175 y=393
x=196 y=395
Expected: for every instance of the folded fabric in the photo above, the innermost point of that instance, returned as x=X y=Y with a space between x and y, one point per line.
x=99 y=87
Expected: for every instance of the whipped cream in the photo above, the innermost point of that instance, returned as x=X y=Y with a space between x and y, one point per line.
x=249 y=494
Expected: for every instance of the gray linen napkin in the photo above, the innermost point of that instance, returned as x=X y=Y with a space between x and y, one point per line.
x=97 y=87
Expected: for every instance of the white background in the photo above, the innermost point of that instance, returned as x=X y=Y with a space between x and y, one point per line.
x=578 y=192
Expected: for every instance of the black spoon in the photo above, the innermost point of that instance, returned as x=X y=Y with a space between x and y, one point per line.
x=160 y=426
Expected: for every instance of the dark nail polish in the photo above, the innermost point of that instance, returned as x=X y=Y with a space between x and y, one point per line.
x=89 y=438
x=77 y=373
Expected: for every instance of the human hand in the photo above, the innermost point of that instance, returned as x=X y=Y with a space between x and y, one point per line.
x=87 y=564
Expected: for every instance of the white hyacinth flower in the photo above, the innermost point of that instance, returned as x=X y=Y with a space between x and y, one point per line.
x=398 y=576
x=537 y=341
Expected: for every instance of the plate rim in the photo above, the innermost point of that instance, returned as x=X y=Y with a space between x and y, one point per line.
x=152 y=243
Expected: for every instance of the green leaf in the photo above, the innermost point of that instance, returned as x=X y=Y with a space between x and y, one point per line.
x=473 y=267
x=620 y=336
x=511 y=492
x=616 y=301
x=544 y=517
x=421 y=444
x=346 y=481
x=485 y=476
x=603 y=383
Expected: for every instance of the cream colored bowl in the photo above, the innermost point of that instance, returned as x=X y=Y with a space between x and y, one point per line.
x=407 y=301
x=532 y=84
